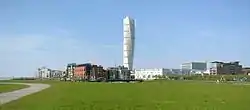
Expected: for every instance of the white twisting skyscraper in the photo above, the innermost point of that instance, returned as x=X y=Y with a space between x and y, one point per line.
x=128 y=42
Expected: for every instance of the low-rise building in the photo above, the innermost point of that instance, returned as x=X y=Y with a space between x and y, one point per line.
x=97 y=72
x=82 y=71
x=193 y=67
x=70 y=69
x=230 y=68
x=88 y=71
x=56 y=73
x=175 y=71
x=196 y=72
x=79 y=72
x=44 y=72
x=246 y=70
x=150 y=74
x=118 y=73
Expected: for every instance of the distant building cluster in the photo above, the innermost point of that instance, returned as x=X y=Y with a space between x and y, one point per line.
x=91 y=72
x=194 y=68
x=215 y=68
x=86 y=72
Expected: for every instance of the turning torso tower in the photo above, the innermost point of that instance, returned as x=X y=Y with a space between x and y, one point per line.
x=128 y=42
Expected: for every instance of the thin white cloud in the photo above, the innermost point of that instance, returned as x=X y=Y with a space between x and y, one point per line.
x=111 y=46
x=20 y=43
x=28 y=43
x=23 y=54
x=62 y=31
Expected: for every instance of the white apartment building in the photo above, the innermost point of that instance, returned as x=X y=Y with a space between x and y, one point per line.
x=44 y=72
x=56 y=73
x=150 y=74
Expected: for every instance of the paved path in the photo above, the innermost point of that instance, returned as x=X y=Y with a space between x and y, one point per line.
x=10 y=96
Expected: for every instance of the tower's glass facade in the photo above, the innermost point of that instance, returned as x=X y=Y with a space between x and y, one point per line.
x=128 y=42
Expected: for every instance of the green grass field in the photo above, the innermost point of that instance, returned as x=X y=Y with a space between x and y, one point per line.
x=10 y=87
x=160 y=95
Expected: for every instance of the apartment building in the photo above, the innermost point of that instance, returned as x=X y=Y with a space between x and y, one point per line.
x=79 y=72
x=151 y=73
x=82 y=71
x=97 y=72
x=175 y=71
x=70 y=69
x=118 y=73
x=44 y=72
x=88 y=71
x=56 y=73
x=230 y=68
x=246 y=70
x=193 y=67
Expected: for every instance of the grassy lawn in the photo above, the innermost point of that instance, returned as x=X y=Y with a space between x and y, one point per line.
x=160 y=95
x=10 y=87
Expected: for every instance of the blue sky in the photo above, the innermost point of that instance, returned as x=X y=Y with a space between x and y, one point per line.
x=168 y=32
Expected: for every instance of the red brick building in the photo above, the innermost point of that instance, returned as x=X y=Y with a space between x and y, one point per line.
x=88 y=71
x=80 y=71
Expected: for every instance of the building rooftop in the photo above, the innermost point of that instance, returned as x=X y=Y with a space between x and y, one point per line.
x=117 y=67
x=225 y=62
x=85 y=64
x=217 y=62
x=127 y=17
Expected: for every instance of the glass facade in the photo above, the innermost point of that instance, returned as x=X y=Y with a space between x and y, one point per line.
x=194 y=66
